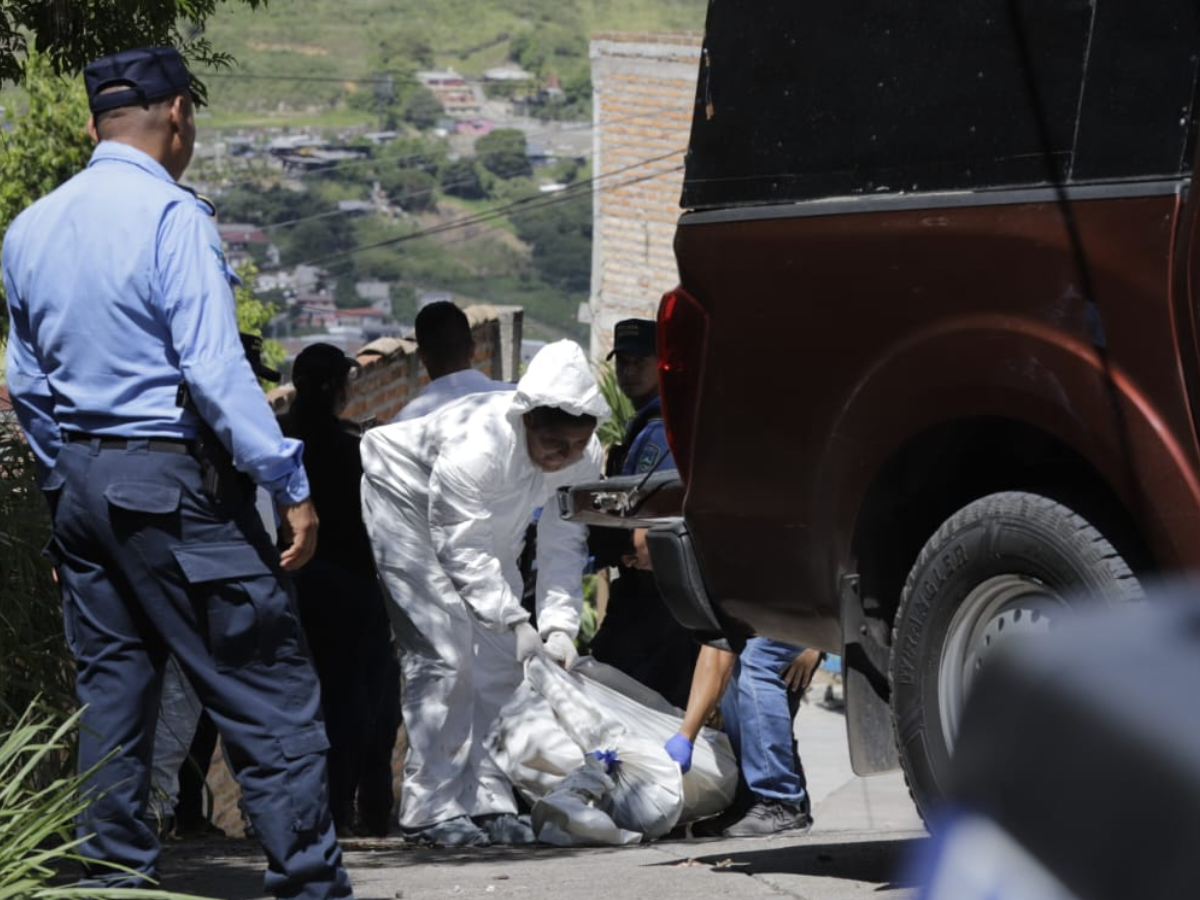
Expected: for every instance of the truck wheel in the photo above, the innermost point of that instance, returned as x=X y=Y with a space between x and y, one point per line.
x=1005 y=566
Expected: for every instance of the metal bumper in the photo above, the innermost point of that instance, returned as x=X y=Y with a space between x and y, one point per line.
x=655 y=503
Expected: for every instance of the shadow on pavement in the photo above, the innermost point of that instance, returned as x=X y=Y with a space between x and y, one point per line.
x=881 y=862
x=232 y=869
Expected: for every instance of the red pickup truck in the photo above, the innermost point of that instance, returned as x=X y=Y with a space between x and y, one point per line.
x=931 y=374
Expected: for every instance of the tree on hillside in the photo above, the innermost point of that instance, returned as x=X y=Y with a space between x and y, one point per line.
x=44 y=147
x=404 y=50
x=460 y=178
x=560 y=234
x=421 y=108
x=503 y=153
x=72 y=34
x=410 y=189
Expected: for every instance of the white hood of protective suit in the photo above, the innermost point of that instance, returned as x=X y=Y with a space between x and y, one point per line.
x=559 y=375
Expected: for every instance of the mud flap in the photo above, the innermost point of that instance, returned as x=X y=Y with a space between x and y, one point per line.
x=868 y=694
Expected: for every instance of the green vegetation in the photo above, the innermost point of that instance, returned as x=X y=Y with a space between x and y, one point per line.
x=71 y=34
x=44 y=146
x=38 y=806
x=508 y=244
x=305 y=54
x=613 y=431
x=502 y=152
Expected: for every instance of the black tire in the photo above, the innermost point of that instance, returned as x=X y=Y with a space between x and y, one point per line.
x=1005 y=563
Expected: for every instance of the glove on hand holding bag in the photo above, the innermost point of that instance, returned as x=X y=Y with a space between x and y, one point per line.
x=529 y=642
x=679 y=749
x=561 y=648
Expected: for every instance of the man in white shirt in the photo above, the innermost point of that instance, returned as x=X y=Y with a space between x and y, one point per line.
x=446 y=348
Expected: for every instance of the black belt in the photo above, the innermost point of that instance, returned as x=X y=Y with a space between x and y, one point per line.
x=158 y=445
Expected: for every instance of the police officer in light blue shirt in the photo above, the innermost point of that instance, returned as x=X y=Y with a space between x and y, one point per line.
x=118 y=295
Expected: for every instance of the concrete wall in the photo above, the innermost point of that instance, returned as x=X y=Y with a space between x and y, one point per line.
x=644 y=88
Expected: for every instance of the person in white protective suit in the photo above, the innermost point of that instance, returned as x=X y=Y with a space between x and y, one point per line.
x=446 y=500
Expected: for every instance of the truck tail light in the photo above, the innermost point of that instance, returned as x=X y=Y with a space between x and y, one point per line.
x=682 y=331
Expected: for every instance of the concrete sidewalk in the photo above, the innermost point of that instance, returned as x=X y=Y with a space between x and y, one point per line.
x=865 y=830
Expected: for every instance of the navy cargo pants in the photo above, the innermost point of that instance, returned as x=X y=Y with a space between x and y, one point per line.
x=148 y=567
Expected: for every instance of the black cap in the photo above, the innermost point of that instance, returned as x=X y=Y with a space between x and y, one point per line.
x=321 y=362
x=637 y=337
x=146 y=73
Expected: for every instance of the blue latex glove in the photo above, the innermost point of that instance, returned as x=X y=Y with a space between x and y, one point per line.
x=679 y=749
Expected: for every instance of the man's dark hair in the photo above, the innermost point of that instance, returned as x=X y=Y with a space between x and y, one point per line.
x=550 y=416
x=443 y=332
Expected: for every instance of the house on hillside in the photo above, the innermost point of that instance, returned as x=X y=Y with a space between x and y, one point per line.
x=457 y=96
x=474 y=127
x=507 y=74
x=302 y=280
x=377 y=293
x=356 y=207
x=241 y=241
x=369 y=322
x=316 y=310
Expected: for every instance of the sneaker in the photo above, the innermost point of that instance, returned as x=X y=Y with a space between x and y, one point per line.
x=505 y=828
x=457 y=832
x=769 y=817
x=715 y=826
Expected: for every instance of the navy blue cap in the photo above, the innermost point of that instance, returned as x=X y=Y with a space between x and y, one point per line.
x=146 y=73
x=321 y=362
x=637 y=337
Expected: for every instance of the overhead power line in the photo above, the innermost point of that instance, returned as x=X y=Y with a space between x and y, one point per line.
x=382 y=78
x=288 y=223
x=403 y=160
x=522 y=206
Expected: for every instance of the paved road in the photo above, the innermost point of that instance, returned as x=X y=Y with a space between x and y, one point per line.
x=865 y=831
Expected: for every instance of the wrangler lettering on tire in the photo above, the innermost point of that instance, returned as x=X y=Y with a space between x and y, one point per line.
x=1007 y=565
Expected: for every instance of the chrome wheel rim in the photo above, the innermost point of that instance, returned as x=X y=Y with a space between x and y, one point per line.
x=997 y=610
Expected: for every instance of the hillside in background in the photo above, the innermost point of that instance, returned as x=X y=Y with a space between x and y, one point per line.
x=306 y=54
x=387 y=185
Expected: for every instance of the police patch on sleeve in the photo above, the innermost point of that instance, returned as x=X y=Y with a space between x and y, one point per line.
x=648 y=458
x=231 y=276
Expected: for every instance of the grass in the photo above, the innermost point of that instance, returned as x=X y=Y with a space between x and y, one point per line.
x=344 y=40
x=38 y=807
x=332 y=119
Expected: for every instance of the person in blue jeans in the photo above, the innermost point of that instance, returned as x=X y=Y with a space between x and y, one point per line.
x=759 y=692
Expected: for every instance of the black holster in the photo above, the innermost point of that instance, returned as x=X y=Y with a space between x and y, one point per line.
x=228 y=488
x=220 y=480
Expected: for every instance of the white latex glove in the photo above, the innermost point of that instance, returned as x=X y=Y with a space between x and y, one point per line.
x=529 y=642
x=561 y=648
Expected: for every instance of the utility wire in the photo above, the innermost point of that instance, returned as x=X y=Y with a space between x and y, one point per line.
x=402 y=160
x=573 y=187
x=387 y=79
x=522 y=206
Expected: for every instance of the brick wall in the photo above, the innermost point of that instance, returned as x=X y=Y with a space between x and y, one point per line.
x=644 y=88
x=391 y=373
